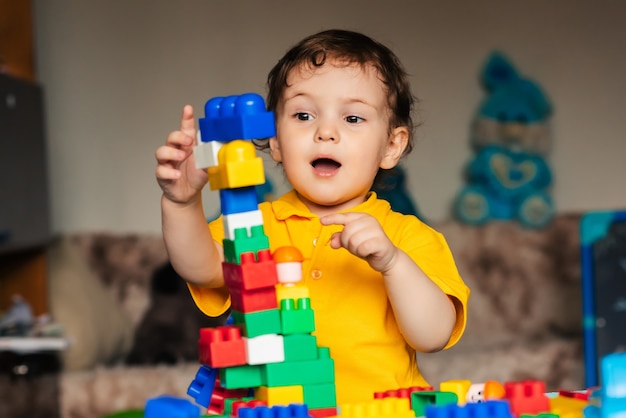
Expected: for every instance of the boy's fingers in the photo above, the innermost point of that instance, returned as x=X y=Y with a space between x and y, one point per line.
x=338 y=218
x=187 y=122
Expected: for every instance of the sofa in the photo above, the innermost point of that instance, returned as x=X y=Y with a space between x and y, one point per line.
x=133 y=327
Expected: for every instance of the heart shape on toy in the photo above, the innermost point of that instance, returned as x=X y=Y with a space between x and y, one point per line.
x=512 y=174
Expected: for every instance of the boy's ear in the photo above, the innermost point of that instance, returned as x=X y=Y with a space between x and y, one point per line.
x=398 y=140
x=275 y=150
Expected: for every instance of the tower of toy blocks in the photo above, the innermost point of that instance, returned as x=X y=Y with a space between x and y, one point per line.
x=267 y=357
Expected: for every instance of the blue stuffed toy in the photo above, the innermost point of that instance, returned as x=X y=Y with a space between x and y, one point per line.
x=509 y=177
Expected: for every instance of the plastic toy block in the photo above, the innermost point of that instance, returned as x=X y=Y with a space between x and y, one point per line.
x=296 y=316
x=241 y=377
x=291 y=291
x=245 y=242
x=221 y=397
x=288 y=264
x=300 y=347
x=488 y=409
x=320 y=370
x=322 y=395
x=252 y=403
x=258 y=323
x=251 y=274
x=458 y=387
x=290 y=411
x=221 y=346
x=613 y=393
x=205 y=153
x=378 y=408
x=527 y=397
x=584 y=396
x=228 y=405
x=322 y=412
x=421 y=400
x=241 y=199
x=544 y=415
x=201 y=388
x=241 y=220
x=238 y=166
x=236 y=117
x=567 y=407
x=280 y=395
x=402 y=392
x=247 y=301
x=265 y=349
x=170 y=407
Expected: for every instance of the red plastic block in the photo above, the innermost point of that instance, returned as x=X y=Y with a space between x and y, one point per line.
x=219 y=396
x=246 y=404
x=251 y=273
x=221 y=347
x=403 y=392
x=246 y=301
x=527 y=397
x=583 y=396
x=323 y=412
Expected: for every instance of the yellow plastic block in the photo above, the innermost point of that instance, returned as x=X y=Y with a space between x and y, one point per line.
x=567 y=407
x=378 y=408
x=238 y=166
x=280 y=395
x=295 y=291
x=458 y=387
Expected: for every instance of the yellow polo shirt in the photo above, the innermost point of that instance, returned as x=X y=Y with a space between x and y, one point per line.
x=353 y=316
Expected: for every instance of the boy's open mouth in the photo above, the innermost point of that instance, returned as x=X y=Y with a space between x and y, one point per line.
x=325 y=165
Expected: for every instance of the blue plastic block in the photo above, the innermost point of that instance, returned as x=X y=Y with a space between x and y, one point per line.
x=613 y=385
x=236 y=117
x=201 y=388
x=241 y=199
x=290 y=411
x=170 y=407
x=488 y=409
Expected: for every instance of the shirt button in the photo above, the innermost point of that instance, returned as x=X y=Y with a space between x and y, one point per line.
x=314 y=242
x=316 y=274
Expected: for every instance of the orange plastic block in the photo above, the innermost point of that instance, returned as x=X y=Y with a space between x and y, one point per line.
x=527 y=397
x=238 y=166
x=221 y=347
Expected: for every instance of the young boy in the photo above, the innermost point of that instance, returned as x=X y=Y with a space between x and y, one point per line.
x=382 y=284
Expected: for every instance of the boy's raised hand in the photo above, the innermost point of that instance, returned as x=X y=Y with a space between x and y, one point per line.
x=363 y=236
x=176 y=172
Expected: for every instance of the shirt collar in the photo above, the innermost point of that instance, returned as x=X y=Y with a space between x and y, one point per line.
x=290 y=204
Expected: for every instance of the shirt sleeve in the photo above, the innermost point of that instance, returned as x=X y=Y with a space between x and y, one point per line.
x=212 y=301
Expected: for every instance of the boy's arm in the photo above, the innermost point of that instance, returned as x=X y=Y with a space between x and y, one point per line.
x=190 y=246
x=425 y=314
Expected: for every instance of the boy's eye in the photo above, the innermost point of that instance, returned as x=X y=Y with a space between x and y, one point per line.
x=303 y=116
x=354 y=119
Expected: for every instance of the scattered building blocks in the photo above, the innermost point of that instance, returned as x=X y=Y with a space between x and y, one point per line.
x=238 y=166
x=241 y=199
x=378 y=408
x=221 y=347
x=421 y=400
x=289 y=411
x=170 y=407
x=488 y=409
x=458 y=387
x=527 y=397
x=567 y=407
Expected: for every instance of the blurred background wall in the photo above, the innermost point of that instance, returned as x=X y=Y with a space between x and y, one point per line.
x=117 y=73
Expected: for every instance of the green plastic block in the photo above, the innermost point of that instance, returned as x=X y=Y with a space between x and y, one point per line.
x=297 y=316
x=241 y=377
x=253 y=324
x=322 y=395
x=300 y=347
x=419 y=400
x=306 y=372
x=244 y=243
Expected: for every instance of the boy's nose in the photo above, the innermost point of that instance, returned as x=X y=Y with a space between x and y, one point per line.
x=326 y=132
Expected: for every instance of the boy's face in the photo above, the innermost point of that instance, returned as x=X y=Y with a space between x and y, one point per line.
x=333 y=134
